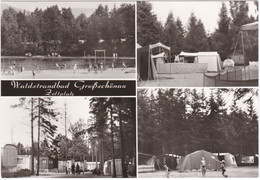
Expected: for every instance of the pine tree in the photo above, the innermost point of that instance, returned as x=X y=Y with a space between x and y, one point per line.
x=148 y=28
x=46 y=115
x=68 y=32
x=170 y=34
x=196 y=38
x=180 y=36
x=221 y=37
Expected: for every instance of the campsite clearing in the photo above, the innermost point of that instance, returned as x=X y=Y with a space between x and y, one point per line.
x=195 y=79
x=240 y=172
x=175 y=80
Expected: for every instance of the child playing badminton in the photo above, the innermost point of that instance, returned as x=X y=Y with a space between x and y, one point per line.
x=167 y=171
x=203 y=166
x=222 y=167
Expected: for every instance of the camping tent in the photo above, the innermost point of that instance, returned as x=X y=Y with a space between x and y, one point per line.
x=146 y=68
x=138 y=46
x=192 y=161
x=212 y=59
x=171 y=160
x=230 y=160
x=146 y=162
x=250 y=26
x=142 y=63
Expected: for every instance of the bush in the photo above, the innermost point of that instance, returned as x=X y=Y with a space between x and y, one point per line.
x=23 y=173
x=96 y=171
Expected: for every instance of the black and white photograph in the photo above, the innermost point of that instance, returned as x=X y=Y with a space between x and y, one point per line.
x=198 y=132
x=45 y=137
x=197 y=43
x=68 y=40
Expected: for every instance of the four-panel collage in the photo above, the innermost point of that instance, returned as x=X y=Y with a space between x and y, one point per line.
x=129 y=89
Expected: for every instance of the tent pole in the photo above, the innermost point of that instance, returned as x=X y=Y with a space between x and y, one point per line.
x=104 y=63
x=170 y=64
x=95 y=58
x=149 y=64
x=243 y=47
x=243 y=51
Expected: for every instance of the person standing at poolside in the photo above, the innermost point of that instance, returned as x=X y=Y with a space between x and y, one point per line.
x=75 y=68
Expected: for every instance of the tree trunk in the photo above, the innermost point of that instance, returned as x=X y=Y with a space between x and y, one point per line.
x=133 y=108
x=38 y=143
x=32 y=136
x=101 y=158
x=92 y=157
x=124 y=170
x=112 y=141
x=96 y=158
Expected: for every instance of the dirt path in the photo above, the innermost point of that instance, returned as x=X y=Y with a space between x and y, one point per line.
x=240 y=172
x=175 y=80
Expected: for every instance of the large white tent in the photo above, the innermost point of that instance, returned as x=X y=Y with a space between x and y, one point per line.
x=212 y=59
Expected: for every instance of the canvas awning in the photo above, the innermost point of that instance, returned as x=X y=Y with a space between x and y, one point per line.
x=161 y=55
x=159 y=44
x=250 y=26
x=187 y=54
x=138 y=46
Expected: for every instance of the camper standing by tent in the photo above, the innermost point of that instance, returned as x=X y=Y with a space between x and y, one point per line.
x=222 y=167
x=203 y=166
x=167 y=171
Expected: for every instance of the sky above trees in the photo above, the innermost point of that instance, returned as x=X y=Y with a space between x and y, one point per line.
x=206 y=11
x=43 y=5
x=78 y=108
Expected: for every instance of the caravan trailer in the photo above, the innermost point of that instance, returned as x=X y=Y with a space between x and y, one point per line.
x=8 y=160
x=9 y=156
x=25 y=162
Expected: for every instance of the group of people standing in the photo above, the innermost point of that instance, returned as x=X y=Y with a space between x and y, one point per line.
x=73 y=169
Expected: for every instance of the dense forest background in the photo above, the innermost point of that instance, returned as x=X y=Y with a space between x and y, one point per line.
x=181 y=121
x=193 y=38
x=56 y=30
